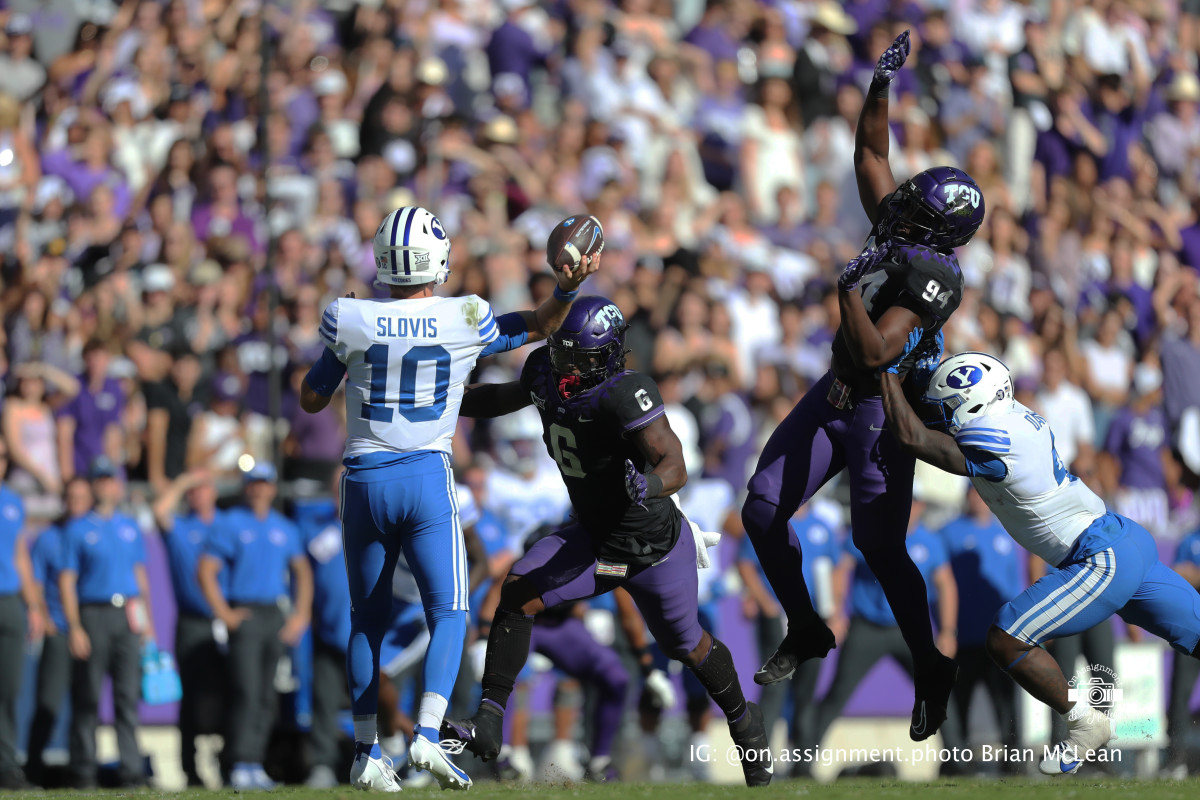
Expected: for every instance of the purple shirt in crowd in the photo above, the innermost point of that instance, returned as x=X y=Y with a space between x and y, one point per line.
x=512 y=49
x=93 y=413
x=84 y=180
x=1135 y=440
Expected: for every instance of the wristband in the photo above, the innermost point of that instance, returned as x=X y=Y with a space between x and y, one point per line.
x=564 y=297
x=879 y=90
x=654 y=485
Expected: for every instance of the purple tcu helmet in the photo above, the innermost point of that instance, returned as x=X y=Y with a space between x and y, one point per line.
x=589 y=348
x=941 y=208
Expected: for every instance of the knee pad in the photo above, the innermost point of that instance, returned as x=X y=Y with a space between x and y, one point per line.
x=568 y=694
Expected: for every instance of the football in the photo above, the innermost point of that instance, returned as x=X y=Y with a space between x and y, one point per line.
x=572 y=239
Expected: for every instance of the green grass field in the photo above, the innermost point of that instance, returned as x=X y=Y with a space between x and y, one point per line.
x=855 y=789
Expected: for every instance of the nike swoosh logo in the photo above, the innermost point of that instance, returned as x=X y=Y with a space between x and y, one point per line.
x=918 y=730
x=1067 y=766
x=771 y=769
x=872 y=427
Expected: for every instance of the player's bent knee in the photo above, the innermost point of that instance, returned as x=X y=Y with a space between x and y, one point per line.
x=695 y=656
x=757 y=515
x=519 y=596
x=1004 y=648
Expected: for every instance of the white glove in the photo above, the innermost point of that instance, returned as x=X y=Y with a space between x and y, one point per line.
x=660 y=688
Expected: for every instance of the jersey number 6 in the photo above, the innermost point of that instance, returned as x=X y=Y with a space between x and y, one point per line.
x=376 y=408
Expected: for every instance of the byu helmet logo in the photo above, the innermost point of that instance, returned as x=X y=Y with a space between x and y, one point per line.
x=609 y=315
x=963 y=377
x=435 y=225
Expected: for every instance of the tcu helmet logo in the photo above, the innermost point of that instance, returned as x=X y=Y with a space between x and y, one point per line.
x=609 y=316
x=963 y=377
x=958 y=196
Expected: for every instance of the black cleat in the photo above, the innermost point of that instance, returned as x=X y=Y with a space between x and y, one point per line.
x=797 y=647
x=482 y=734
x=934 y=682
x=750 y=737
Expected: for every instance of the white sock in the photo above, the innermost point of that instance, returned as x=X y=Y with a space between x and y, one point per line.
x=432 y=712
x=365 y=730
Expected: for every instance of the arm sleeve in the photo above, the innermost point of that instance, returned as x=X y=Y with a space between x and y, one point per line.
x=329 y=325
x=635 y=402
x=69 y=553
x=981 y=464
x=219 y=545
x=508 y=332
x=325 y=375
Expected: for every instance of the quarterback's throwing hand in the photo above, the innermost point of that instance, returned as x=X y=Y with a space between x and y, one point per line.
x=569 y=280
x=635 y=484
x=892 y=59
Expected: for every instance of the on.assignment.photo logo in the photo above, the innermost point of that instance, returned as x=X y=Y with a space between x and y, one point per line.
x=1100 y=688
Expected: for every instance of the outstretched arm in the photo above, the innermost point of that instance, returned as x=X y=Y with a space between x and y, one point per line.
x=488 y=400
x=550 y=314
x=871 y=167
x=931 y=446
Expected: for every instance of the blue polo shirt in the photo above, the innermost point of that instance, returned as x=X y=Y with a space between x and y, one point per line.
x=46 y=555
x=1188 y=551
x=102 y=553
x=987 y=568
x=321 y=532
x=494 y=536
x=12 y=519
x=185 y=544
x=256 y=553
x=816 y=540
x=867 y=599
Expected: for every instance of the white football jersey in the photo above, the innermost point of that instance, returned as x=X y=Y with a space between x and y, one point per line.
x=406 y=365
x=1042 y=506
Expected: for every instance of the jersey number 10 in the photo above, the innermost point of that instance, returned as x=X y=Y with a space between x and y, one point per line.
x=377 y=410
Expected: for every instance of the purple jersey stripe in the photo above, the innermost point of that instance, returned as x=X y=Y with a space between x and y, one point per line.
x=645 y=419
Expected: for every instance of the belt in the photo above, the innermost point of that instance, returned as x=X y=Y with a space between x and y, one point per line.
x=840 y=396
x=116 y=601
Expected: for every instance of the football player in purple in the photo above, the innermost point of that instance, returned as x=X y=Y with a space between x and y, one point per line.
x=607 y=429
x=906 y=277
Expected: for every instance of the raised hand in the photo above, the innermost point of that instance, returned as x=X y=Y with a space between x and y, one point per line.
x=892 y=59
x=860 y=266
x=913 y=342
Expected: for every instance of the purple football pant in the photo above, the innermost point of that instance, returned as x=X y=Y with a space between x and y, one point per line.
x=814 y=443
x=562 y=567
x=573 y=650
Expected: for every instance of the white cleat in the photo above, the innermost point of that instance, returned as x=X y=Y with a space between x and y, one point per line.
x=435 y=759
x=373 y=774
x=1087 y=734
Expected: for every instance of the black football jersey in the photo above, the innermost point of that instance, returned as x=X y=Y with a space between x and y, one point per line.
x=915 y=277
x=587 y=435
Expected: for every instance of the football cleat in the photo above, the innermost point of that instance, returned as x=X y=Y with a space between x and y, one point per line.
x=482 y=734
x=934 y=683
x=434 y=758
x=250 y=778
x=369 y=772
x=750 y=737
x=797 y=647
x=1091 y=731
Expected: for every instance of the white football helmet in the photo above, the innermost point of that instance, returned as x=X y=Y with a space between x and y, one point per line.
x=411 y=247
x=517 y=441
x=967 y=386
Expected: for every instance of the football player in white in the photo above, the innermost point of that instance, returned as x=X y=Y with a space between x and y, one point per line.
x=1106 y=564
x=407 y=357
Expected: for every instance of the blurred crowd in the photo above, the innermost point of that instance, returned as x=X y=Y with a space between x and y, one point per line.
x=184 y=184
